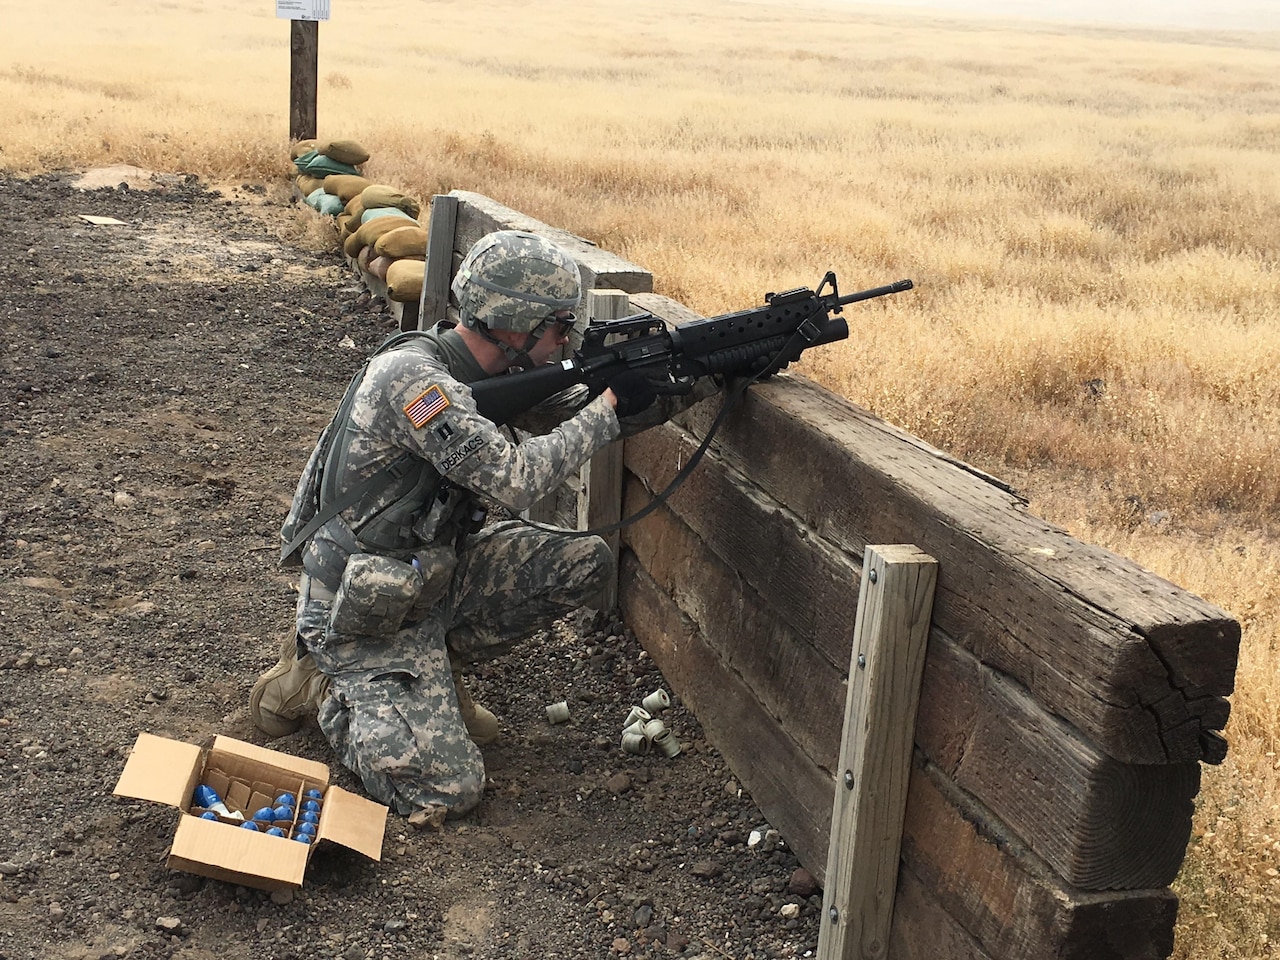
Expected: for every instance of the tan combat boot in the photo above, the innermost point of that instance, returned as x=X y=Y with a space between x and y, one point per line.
x=287 y=692
x=482 y=725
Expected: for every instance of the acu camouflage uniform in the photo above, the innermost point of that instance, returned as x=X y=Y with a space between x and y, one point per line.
x=400 y=582
x=392 y=712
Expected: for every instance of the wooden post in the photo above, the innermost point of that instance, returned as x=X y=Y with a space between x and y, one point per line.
x=891 y=629
x=441 y=229
x=600 y=500
x=304 y=70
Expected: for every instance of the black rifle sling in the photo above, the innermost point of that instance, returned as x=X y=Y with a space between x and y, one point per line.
x=661 y=498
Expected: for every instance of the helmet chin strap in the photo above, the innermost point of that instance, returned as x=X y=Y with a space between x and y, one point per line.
x=518 y=358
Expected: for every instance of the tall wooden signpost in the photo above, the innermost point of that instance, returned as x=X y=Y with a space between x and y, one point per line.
x=304 y=56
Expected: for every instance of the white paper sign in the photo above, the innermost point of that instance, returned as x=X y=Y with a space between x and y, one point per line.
x=302 y=9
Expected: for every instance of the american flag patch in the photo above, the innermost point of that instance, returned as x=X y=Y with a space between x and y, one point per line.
x=429 y=403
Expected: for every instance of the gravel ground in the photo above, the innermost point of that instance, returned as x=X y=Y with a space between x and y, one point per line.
x=161 y=383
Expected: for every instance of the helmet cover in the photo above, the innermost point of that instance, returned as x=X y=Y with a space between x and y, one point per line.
x=513 y=280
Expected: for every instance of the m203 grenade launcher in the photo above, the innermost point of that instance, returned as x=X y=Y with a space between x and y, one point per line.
x=754 y=343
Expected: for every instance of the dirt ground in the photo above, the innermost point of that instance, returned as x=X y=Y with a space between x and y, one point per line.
x=161 y=383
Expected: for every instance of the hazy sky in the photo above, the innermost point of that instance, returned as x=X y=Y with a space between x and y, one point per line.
x=1182 y=14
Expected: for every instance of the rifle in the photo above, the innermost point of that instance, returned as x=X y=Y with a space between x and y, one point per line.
x=755 y=343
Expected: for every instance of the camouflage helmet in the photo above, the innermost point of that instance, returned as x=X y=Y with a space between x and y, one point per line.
x=512 y=280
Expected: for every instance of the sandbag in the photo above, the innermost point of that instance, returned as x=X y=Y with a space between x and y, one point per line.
x=343 y=221
x=308 y=184
x=328 y=204
x=394 y=212
x=344 y=151
x=362 y=258
x=380 y=195
x=367 y=233
x=344 y=186
x=355 y=207
x=318 y=165
x=325 y=203
x=403 y=242
x=404 y=280
x=300 y=147
x=378 y=265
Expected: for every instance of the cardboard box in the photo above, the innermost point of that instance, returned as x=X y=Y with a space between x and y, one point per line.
x=247 y=777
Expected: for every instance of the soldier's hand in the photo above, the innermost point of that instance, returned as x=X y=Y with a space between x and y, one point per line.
x=633 y=392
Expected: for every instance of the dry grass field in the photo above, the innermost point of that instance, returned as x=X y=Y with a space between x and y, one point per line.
x=1089 y=216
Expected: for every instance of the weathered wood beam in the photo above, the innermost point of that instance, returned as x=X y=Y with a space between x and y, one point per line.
x=778 y=607
x=790 y=788
x=1007 y=899
x=479 y=215
x=1101 y=824
x=1004 y=902
x=793 y=676
x=923 y=929
x=1139 y=665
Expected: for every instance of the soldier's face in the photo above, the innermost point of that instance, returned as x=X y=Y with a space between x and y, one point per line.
x=550 y=341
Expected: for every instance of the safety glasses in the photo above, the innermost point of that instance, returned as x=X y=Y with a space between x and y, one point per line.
x=562 y=321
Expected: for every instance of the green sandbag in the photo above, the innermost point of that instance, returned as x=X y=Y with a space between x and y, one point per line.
x=329 y=204
x=318 y=165
x=377 y=212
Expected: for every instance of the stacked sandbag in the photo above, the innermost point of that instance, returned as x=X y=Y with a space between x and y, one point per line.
x=317 y=161
x=380 y=229
x=399 y=258
x=373 y=202
x=377 y=224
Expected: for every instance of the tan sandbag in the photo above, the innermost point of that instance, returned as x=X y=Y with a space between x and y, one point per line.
x=380 y=195
x=344 y=151
x=362 y=258
x=343 y=220
x=369 y=232
x=308 y=184
x=300 y=147
x=344 y=186
x=378 y=265
x=409 y=241
x=351 y=246
x=404 y=280
x=354 y=211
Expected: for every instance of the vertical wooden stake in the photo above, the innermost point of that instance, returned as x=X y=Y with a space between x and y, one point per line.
x=441 y=231
x=304 y=69
x=895 y=606
x=600 y=501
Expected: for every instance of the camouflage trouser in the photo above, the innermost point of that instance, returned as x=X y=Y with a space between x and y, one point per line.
x=392 y=712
